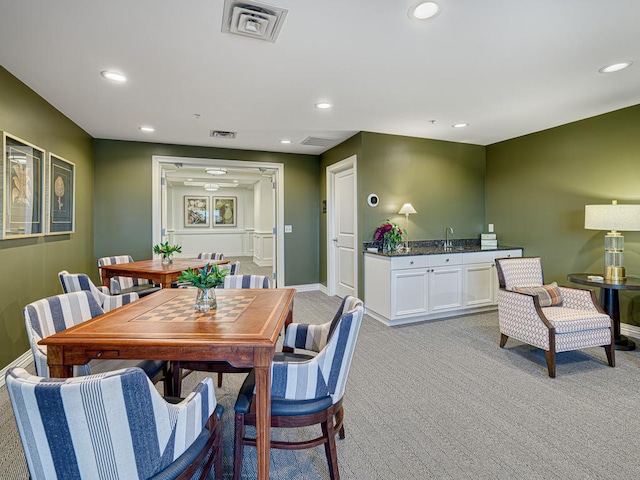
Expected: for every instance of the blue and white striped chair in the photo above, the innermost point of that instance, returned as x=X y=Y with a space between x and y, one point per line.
x=246 y=281
x=120 y=285
x=51 y=315
x=211 y=256
x=114 y=425
x=76 y=282
x=232 y=268
x=305 y=393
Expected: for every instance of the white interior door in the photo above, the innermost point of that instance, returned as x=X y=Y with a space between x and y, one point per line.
x=342 y=249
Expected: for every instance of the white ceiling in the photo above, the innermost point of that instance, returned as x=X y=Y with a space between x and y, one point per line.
x=508 y=68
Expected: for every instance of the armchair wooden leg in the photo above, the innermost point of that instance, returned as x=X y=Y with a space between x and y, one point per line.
x=219 y=379
x=330 y=446
x=339 y=424
x=238 y=447
x=551 y=362
x=611 y=356
x=503 y=340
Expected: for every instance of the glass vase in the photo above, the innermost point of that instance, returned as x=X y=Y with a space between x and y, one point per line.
x=166 y=259
x=206 y=300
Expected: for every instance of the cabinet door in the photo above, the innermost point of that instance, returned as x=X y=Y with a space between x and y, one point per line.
x=479 y=284
x=409 y=292
x=445 y=288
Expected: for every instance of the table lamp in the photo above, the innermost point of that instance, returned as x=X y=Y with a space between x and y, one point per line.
x=406 y=210
x=613 y=217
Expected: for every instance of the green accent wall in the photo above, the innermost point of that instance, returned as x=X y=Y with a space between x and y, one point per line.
x=30 y=266
x=538 y=185
x=123 y=200
x=444 y=181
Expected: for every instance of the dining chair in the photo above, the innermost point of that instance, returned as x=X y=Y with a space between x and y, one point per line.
x=305 y=393
x=232 y=268
x=550 y=317
x=76 y=282
x=221 y=367
x=114 y=425
x=211 y=256
x=51 y=315
x=119 y=285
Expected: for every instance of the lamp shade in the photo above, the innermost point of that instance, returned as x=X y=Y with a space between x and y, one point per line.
x=407 y=209
x=625 y=218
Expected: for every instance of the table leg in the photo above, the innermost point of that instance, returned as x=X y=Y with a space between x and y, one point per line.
x=263 y=414
x=56 y=367
x=610 y=302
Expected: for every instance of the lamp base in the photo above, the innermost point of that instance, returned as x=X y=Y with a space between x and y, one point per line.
x=614 y=274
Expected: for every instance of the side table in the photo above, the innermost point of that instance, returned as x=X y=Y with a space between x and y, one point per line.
x=610 y=302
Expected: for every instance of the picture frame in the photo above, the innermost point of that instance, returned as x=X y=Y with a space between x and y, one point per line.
x=61 y=196
x=224 y=211
x=196 y=211
x=22 y=191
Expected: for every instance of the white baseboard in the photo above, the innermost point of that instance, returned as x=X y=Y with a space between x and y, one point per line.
x=630 y=330
x=324 y=289
x=311 y=287
x=22 y=361
x=267 y=262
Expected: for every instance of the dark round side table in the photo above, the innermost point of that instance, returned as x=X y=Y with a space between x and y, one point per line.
x=610 y=301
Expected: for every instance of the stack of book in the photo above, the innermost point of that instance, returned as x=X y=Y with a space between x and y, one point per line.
x=488 y=241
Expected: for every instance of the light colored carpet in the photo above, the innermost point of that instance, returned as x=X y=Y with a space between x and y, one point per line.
x=441 y=400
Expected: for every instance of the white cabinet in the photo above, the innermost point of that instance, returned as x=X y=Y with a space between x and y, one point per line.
x=445 y=283
x=480 y=277
x=409 y=292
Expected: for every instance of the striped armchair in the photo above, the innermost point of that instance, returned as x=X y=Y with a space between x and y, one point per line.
x=114 y=425
x=211 y=256
x=120 y=285
x=51 y=315
x=246 y=281
x=305 y=393
x=233 y=268
x=76 y=282
x=554 y=319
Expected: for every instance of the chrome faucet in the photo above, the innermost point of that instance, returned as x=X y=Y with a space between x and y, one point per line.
x=447 y=241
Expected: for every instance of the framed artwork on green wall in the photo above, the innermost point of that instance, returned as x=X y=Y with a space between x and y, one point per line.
x=22 y=195
x=196 y=211
x=61 y=196
x=224 y=211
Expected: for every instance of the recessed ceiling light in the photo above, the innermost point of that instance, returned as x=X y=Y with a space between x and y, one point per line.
x=323 y=105
x=286 y=142
x=460 y=125
x=423 y=10
x=235 y=181
x=146 y=128
x=115 y=76
x=211 y=187
x=189 y=179
x=216 y=171
x=616 y=67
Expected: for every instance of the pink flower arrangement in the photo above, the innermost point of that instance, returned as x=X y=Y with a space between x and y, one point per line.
x=388 y=233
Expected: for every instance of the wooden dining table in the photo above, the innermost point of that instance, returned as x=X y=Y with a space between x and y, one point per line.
x=154 y=270
x=242 y=330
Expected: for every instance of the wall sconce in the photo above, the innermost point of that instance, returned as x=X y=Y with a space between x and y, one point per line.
x=613 y=217
x=406 y=210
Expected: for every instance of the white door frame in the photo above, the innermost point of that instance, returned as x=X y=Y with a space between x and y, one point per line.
x=156 y=173
x=332 y=170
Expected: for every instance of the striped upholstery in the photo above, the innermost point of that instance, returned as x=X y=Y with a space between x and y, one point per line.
x=121 y=283
x=76 y=282
x=575 y=324
x=246 y=281
x=314 y=337
x=113 y=425
x=212 y=256
x=233 y=268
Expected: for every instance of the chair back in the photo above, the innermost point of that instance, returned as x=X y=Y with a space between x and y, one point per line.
x=233 y=267
x=211 y=256
x=51 y=315
x=519 y=272
x=109 y=425
x=77 y=282
x=121 y=283
x=245 y=281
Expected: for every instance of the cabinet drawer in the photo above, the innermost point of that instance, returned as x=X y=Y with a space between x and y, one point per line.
x=478 y=257
x=507 y=253
x=446 y=259
x=417 y=261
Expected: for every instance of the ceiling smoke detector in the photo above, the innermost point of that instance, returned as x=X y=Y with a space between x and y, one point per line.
x=253 y=19
x=222 y=134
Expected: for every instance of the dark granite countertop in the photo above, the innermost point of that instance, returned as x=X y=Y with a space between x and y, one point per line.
x=437 y=248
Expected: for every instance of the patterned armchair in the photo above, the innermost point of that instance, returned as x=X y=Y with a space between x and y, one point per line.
x=211 y=256
x=51 y=315
x=305 y=393
x=114 y=425
x=120 y=285
x=554 y=319
x=76 y=282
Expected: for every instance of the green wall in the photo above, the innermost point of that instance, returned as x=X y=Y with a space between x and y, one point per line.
x=538 y=185
x=123 y=200
x=444 y=181
x=29 y=266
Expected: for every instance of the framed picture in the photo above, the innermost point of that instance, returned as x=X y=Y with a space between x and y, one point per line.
x=196 y=211
x=61 y=196
x=224 y=211
x=22 y=194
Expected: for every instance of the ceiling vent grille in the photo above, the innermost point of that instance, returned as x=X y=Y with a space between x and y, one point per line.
x=253 y=19
x=223 y=134
x=318 y=142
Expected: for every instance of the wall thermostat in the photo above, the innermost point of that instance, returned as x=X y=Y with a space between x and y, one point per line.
x=373 y=200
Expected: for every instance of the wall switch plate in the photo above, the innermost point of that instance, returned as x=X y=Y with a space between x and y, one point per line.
x=288 y=228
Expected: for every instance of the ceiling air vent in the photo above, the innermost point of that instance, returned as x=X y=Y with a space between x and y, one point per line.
x=253 y=19
x=318 y=142
x=222 y=134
